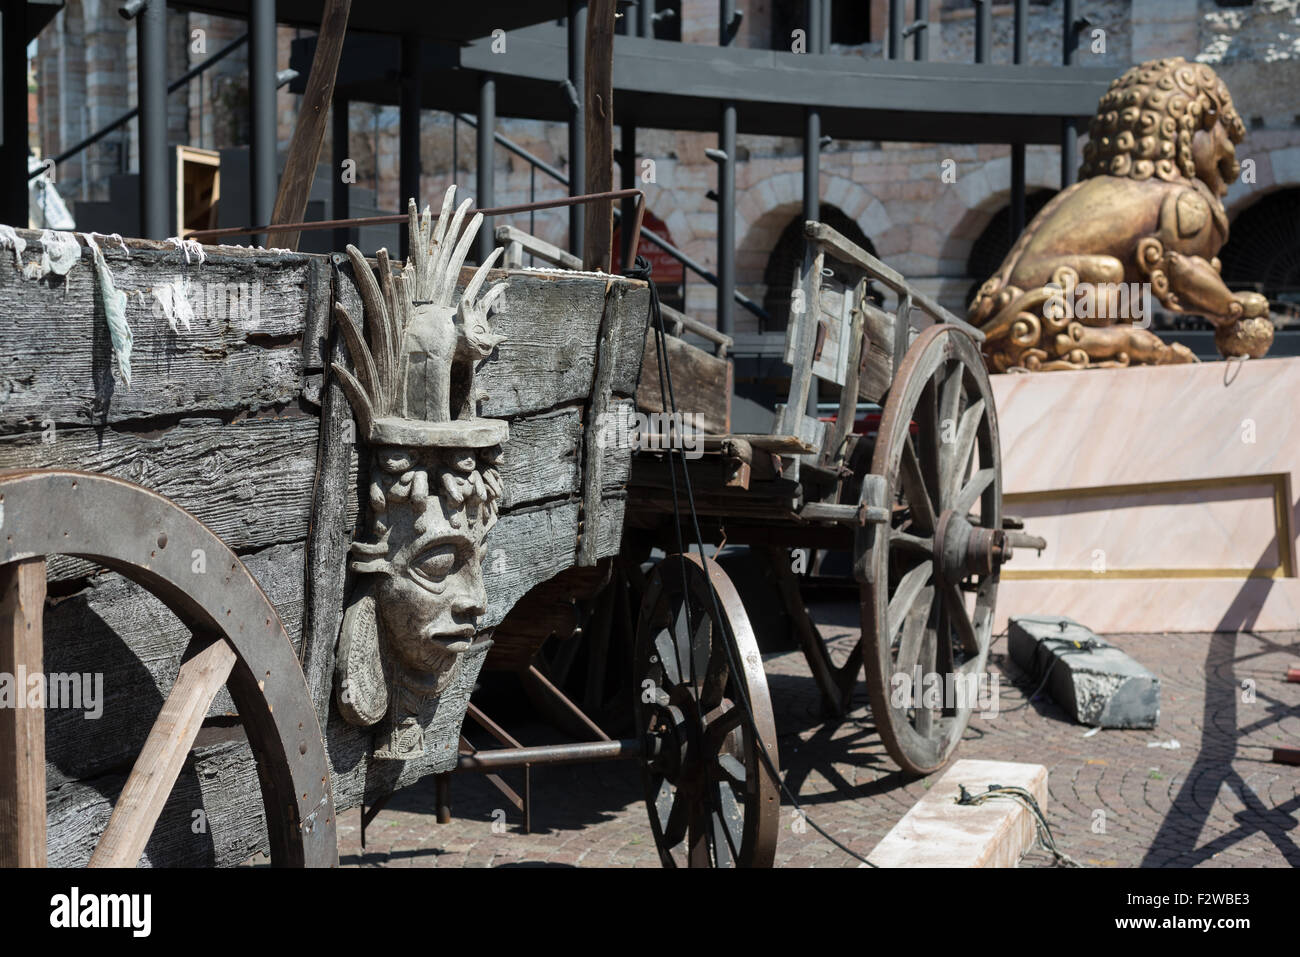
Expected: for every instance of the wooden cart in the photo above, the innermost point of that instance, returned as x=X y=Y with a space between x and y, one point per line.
x=916 y=502
x=223 y=485
x=189 y=710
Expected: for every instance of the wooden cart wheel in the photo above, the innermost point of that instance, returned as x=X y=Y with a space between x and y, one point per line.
x=239 y=642
x=712 y=801
x=930 y=578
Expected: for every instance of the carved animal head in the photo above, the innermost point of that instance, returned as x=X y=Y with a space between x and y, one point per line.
x=1169 y=119
x=418 y=362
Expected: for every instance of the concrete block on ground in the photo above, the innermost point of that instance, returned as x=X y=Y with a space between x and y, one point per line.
x=1097 y=683
x=939 y=832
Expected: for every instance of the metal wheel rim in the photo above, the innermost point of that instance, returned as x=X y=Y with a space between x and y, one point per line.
x=750 y=842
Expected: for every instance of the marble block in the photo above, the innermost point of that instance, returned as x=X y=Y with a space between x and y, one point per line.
x=1167 y=495
x=938 y=832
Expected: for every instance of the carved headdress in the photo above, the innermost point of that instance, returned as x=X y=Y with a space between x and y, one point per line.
x=434 y=486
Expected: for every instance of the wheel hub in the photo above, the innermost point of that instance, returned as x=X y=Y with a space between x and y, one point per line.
x=963 y=549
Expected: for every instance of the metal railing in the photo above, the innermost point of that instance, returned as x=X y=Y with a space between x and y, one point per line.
x=536 y=163
x=183 y=80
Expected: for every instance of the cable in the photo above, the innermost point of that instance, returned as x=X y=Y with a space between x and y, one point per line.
x=1088 y=644
x=642 y=271
x=1023 y=796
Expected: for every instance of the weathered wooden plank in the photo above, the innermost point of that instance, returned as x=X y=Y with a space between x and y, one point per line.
x=597 y=424
x=800 y=340
x=598 y=118
x=22 y=720
x=632 y=302
x=239 y=351
x=529 y=244
x=334 y=510
x=119 y=649
x=540 y=459
x=320 y=315
x=163 y=755
x=847 y=415
x=250 y=481
x=214 y=815
x=877 y=366
x=701 y=382
x=679 y=322
x=309 y=132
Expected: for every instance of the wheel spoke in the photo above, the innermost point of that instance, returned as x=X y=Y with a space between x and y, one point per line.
x=917 y=544
x=726 y=817
x=909 y=646
x=915 y=490
x=732 y=771
x=959 y=452
x=22 y=730
x=924 y=713
x=909 y=587
x=955 y=604
x=972 y=491
x=926 y=417
x=719 y=726
x=675 y=821
x=162 y=757
x=943 y=660
x=666 y=651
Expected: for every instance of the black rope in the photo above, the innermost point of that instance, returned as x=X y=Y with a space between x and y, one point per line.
x=1023 y=796
x=641 y=270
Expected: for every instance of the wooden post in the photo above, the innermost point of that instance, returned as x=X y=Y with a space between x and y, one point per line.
x=309 y=133
x=599 y=116
x=22 y=728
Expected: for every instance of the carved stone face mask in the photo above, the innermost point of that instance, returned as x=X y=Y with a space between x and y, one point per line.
x=437 y=508
x=434 y=487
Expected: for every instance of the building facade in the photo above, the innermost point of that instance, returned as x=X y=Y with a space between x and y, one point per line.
x=937 y=213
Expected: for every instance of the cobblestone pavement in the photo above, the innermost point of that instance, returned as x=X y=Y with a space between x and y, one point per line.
x=1198 y=791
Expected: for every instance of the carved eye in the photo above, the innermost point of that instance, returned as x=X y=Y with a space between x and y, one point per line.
x=435 y=564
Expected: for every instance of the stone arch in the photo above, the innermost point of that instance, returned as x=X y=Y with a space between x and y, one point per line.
x=788 y=251
x=766 y=207
x=990 y=247
x=983 y=201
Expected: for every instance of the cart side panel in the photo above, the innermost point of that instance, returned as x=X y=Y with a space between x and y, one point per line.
x=224 y=416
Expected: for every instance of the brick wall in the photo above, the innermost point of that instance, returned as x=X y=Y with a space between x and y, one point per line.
x=894 y=192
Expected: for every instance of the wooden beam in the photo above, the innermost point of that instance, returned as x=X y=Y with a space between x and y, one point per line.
x=162 y=757
x=600 y=132
x=22 y=726
x=309 y=133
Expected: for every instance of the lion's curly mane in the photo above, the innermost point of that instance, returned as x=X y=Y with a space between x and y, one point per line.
x=1146 y=120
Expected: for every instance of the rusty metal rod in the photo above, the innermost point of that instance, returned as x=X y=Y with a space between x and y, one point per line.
x=206 y=234
x=559 y=696
x=551 y=754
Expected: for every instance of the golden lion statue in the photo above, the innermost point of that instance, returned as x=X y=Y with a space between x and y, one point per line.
x=1146 y=218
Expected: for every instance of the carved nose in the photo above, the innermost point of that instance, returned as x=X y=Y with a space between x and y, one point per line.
x=470 y=604
x=472 y=599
